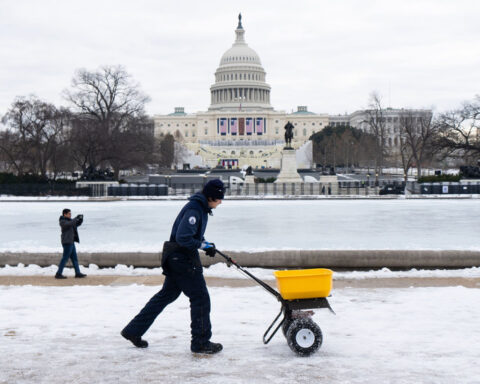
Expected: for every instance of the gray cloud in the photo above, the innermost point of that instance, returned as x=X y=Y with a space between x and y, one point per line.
x=324 y=54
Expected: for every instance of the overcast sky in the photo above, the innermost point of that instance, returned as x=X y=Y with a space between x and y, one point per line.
x=328 y=55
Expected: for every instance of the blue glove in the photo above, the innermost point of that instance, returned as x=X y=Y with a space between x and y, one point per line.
x=205 y=245
x=209 y=248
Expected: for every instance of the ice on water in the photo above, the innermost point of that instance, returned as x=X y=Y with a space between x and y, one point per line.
x=250 y=225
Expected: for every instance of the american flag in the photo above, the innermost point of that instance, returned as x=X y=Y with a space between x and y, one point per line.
x=223 y=126
x=233 y=126
x=249 y=125
x=259 y=126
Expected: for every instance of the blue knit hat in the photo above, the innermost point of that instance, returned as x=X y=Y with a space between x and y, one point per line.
x=214 y=189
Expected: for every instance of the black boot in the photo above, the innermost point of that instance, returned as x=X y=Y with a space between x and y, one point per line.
x=137 y=341
x=57 y=276
x=80 y=275
x=208 y=348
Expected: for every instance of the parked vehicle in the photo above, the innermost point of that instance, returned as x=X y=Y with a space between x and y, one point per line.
x=392 y=189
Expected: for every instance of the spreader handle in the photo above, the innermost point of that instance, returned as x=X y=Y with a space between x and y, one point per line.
x=263 y=284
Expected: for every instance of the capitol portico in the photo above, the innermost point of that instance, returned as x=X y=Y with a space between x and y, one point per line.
x=240 y=127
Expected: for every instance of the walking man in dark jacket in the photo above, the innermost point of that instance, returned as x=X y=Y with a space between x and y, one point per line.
x=183 y=272
x=69 y=237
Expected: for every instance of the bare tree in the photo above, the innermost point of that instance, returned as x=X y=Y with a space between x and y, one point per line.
x=108 y=102
x=459 y=132
x=11 y=152
x=132 y=146
x=342 y=145
x=165 y=150
x=60 y=159
x=86 y=142
x=417 y=136
x=406 y=154
x=377 y=123
x=109 y=95
x=33 y=130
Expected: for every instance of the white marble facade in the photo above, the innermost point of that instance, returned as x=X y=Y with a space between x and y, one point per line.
x=240 y=126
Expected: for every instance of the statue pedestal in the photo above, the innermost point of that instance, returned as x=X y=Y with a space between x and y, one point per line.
x=288 y=172
x=250 y=179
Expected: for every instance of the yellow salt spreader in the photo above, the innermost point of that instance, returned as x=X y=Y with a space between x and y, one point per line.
x=300 y=290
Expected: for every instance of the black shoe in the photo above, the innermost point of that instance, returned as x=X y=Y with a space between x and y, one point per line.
x=208 y=348
x=137 y=341
x=80 y=275
x=57 y=276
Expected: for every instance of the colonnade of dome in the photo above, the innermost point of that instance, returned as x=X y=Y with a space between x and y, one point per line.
x=240 y=95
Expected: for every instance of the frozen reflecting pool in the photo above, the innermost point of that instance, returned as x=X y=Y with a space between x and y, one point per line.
x=251 y=225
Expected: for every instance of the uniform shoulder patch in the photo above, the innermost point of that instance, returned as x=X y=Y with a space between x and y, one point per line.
x=192 y=220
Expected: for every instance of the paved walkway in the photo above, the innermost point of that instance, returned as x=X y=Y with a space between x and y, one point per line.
x=399 y=282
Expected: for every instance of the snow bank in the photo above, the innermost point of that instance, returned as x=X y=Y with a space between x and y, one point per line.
x=222 y=271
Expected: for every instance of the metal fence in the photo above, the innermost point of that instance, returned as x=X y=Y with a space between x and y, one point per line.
x=342 y=188
x=279 y=189
x=43 y=189
x=138 y=190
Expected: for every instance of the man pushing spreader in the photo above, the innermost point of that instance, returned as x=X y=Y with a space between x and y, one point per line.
x=184 y=273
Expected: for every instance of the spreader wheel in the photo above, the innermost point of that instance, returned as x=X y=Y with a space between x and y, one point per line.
x=304 y=337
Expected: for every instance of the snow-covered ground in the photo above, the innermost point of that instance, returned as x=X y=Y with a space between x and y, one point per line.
x=221 y=270
x=71 y=334
x=250 y=225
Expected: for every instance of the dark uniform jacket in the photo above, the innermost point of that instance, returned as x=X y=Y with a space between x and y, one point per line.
x=188 y=229
x=69 y=229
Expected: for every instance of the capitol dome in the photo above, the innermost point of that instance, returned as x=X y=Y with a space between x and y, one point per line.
x=240 y=78
x=240 y=53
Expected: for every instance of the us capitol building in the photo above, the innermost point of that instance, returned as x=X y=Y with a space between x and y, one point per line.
x=240 y=127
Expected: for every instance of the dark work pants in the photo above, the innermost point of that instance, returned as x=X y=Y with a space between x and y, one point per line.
x=69 y=252
x=182 y=276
